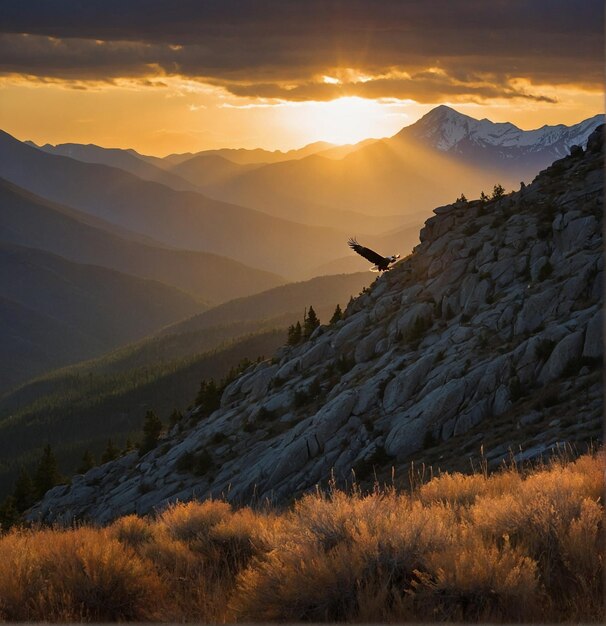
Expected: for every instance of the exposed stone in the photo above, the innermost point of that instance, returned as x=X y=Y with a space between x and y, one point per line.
x=594 y=339
x=566 y=352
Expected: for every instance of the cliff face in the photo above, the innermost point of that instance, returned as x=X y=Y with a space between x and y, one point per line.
x=490 y=334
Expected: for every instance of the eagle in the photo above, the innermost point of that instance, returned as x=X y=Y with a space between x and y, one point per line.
x=381 y=263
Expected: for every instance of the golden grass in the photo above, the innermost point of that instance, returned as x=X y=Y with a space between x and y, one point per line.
x=511 y=546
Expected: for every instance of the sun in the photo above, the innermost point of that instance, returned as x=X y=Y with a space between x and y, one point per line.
x=342 y=121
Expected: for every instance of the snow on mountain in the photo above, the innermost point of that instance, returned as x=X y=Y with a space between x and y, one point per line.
x=448 y=130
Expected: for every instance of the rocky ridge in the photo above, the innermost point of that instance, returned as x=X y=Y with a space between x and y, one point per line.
x=489 y=334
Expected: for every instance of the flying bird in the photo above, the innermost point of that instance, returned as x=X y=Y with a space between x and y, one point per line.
x=381 y=263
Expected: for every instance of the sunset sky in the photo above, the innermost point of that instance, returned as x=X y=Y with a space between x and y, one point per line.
x=167 y=76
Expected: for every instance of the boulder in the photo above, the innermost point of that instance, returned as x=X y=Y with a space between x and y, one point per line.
x=567 y=351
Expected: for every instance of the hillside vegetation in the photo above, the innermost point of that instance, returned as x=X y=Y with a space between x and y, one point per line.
x=105 y=397
x=80 y=408
x=512 y=546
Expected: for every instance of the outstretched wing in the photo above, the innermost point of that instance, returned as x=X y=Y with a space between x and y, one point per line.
x=367 y=253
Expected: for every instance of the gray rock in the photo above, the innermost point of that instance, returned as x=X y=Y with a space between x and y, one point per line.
x=534 y=417
x=568 y=350
x=367 y=346
x=400 y=389
x=536 y=310
x=594 y=339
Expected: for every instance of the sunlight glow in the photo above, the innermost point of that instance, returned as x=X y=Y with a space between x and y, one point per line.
x=341 y=121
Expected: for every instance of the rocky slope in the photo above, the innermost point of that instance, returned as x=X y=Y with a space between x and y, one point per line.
x=489 y=334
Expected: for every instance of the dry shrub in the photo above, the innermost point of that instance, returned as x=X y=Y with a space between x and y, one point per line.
x=77 y=575
x=513 y=546
x=553 y=517
x=473 y=581
x=193 y=520
x=237 y=539
x=461 y=490
x=199 y=548
x=132 y=530
x=334 y=553
x=299 y=582
x=17 y=575
x=583 y=555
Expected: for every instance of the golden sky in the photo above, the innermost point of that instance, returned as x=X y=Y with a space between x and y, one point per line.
x=166 y=77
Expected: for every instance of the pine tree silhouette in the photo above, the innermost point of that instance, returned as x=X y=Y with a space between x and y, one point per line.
x=152 y=427
x=310 y=323
x=24 y=492
x=87 y=462
x=110 y=453
x=47 y=473
x=337 y=315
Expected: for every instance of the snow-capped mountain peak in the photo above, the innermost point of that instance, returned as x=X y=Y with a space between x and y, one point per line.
x=447 y=130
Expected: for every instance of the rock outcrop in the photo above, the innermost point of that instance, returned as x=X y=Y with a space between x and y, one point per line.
x=490 y=334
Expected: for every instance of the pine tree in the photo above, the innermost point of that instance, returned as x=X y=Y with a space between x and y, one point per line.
x=175 y=417
x=337 y=315
x=47 y=473
x=110 y=453
x=209 y=397
x=152 y=427
x=483 y=198
x=310 y=323
x=294 y=334
x=24 y=492
x=498 y=192
x=87 y=462
x=9 y=515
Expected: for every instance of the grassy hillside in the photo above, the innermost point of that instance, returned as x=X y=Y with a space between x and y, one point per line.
x=29 y=220
x=92 y=310
x=82 y=407
x=515 y=546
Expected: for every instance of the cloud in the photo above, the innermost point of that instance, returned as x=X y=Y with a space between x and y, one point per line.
x=292 y=50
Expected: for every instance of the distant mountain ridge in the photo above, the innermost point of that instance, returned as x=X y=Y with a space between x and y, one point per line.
x=29 y=220
x=375 y=183
x=92 y=309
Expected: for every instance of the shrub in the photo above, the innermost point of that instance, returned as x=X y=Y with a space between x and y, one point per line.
x=517 y=545
x=193 y=520
x=78 y=575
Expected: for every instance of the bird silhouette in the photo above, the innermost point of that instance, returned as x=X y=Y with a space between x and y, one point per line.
x=381 y=263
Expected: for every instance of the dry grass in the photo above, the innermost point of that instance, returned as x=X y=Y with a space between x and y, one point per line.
x=512 y=546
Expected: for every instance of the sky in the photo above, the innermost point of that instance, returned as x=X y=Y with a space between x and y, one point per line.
x=166 y=76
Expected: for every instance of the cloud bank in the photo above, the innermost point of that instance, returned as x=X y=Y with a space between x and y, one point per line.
x=313 y=50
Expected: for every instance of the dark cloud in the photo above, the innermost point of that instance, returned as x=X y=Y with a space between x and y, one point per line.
x=281 y=48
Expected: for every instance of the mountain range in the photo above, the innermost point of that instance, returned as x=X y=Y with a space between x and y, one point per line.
x=101 y=247
x=485 y=345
